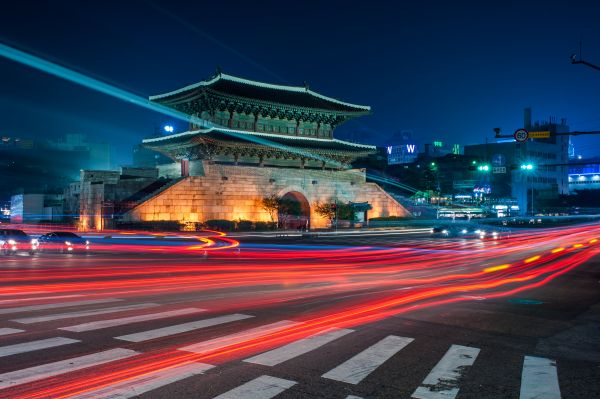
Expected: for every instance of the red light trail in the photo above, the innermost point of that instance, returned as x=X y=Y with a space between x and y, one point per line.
x=367 y=283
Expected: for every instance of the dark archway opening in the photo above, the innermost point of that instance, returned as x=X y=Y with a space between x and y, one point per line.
x=294 y=211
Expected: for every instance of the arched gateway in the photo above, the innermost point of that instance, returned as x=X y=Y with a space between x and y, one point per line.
x=296 y=211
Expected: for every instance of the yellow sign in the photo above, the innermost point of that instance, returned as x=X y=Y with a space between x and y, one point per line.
x=539 y=135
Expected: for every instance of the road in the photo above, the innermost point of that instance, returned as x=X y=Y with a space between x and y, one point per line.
x=355 y=316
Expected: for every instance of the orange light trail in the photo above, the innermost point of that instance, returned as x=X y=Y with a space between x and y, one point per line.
x=368 y=283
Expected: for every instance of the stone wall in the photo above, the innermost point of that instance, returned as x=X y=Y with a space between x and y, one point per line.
x=235 y=192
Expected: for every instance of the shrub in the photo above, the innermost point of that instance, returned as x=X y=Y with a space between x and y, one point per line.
x=220 y=224
x=388 y=218
x=245 y=225
x=264 y=226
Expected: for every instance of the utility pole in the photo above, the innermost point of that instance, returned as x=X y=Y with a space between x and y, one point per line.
x=574 y=60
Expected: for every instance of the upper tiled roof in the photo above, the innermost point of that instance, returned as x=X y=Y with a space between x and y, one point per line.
x=253 y=90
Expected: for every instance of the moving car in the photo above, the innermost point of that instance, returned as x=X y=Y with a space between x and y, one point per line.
x=64 y=242
x=13 y=241
x=469 y=231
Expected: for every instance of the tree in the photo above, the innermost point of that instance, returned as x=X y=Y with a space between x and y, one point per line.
x=346 y=212
x=325 y=210
x=271 y=205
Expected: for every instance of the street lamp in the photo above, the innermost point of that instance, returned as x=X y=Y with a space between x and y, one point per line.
x=528 y=167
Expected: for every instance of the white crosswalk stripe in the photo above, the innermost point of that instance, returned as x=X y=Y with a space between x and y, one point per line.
x=539 y=379
x=297 y=348
x=71 y=315
x=181 y=328
x=22 y=309
x=217 y=343
x=97 y=325
x=43 y=371
x=443 y=381
x=7 y=331
x=360 y=366
x=263 y=387
x=134 y=387
x=35 y=345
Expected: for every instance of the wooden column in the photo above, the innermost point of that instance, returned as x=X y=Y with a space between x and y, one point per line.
x=230 y=122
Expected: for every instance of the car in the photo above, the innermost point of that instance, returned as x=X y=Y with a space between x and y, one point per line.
x=63 y=242
x=13 y=241
x=469 y=231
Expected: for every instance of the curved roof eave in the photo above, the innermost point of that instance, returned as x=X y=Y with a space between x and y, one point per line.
x=265 y=135
x=296 y=89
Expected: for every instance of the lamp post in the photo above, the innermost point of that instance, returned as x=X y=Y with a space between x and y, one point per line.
x=527 y=167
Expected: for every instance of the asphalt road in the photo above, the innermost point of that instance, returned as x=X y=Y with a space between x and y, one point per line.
x=381 y=316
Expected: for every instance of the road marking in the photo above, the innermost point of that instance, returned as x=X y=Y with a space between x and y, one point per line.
x=97 y=325
x=7 y=331
x=360 y=366
x=180 y=328
x=35 y=345
x=232 y=339
x=353 y=397
x=39 y=298
x=539 y=379
x=62 y=367
x=59 y=316
x=21 y=309
x=134 y=387
x=263 y=387
x=442 y=382
x=297 y=348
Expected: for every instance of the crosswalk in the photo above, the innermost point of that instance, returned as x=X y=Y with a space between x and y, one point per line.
x=539 y=377
x=62 y=367
x=360 y=366
x=263 y=387
x=443 y=381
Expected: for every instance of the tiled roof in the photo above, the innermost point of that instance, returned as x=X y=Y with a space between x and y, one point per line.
x=250 y=89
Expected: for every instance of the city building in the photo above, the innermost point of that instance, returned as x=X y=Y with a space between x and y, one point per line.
x=44 y=166
x=403 y=148
x=584 y=174
x=33 y=208
x=248 y=140
x=534 y=170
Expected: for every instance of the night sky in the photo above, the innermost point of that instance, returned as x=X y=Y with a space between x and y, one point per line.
x=445 y=70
